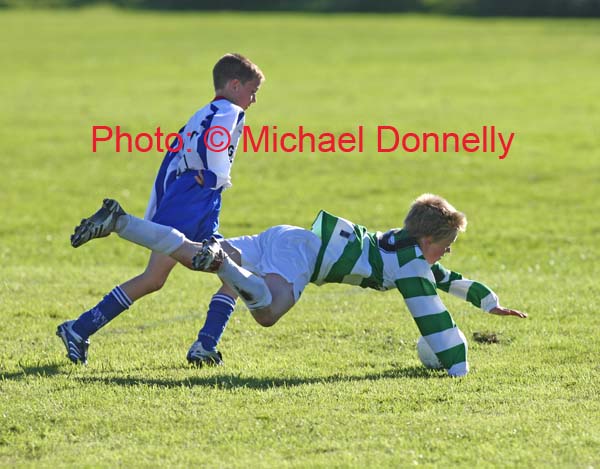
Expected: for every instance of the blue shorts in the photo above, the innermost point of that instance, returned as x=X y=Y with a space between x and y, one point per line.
x=190 y=208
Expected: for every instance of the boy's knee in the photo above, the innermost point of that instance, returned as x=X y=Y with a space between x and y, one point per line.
x=265 y=318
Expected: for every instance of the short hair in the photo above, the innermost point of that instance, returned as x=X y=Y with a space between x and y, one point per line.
x=432 y=215
x=232 y=66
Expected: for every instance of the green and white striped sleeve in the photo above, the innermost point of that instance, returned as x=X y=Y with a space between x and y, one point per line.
x=416 y=283
x=476 y=293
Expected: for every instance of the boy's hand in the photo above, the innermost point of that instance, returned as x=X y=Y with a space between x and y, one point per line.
x=199 y=178
x=507 y=312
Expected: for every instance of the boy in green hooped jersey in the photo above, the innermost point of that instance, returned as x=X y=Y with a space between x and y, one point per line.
x=270 y=270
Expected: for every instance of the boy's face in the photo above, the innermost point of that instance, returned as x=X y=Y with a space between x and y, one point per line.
x=433 y=252
x=242 y=94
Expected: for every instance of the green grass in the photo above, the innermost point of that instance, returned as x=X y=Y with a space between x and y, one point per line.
x=336 y=382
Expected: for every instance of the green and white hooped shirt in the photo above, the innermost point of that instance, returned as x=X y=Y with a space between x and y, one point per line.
x=350 y=254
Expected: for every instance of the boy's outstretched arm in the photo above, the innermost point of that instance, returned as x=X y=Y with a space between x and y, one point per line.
x=476 y=293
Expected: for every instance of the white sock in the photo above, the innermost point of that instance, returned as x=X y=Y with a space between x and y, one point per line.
x=252 y=289
x=159 y=238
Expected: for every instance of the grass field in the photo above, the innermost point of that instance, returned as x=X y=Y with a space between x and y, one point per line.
x=337 y=382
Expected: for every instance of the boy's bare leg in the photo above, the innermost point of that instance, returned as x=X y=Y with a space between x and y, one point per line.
x=152 y=279
x=282 y=293
x=186 y=252
x=267 y=298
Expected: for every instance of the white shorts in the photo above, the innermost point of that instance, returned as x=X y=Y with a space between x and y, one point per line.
x=285 y=250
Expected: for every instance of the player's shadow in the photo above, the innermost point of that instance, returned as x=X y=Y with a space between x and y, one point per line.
x=25 y=371
x=229 y=381
x=225 y=382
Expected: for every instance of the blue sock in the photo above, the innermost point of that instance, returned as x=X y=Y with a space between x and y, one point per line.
x=109 y=308
x=219 y=311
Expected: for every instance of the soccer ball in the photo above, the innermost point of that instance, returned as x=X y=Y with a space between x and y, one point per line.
x=426 y=355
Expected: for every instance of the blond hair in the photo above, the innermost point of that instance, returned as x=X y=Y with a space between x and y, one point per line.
x=432 y=215
x=235 y=66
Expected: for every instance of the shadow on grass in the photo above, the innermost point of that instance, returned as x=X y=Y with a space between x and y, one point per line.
x=226 y=381
x=249 y=382
x=42 y=371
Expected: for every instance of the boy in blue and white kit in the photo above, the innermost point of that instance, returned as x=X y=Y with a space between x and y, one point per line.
x=186 y=196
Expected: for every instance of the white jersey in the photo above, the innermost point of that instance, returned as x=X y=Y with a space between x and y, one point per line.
x=220 y=116
x=194 y=155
